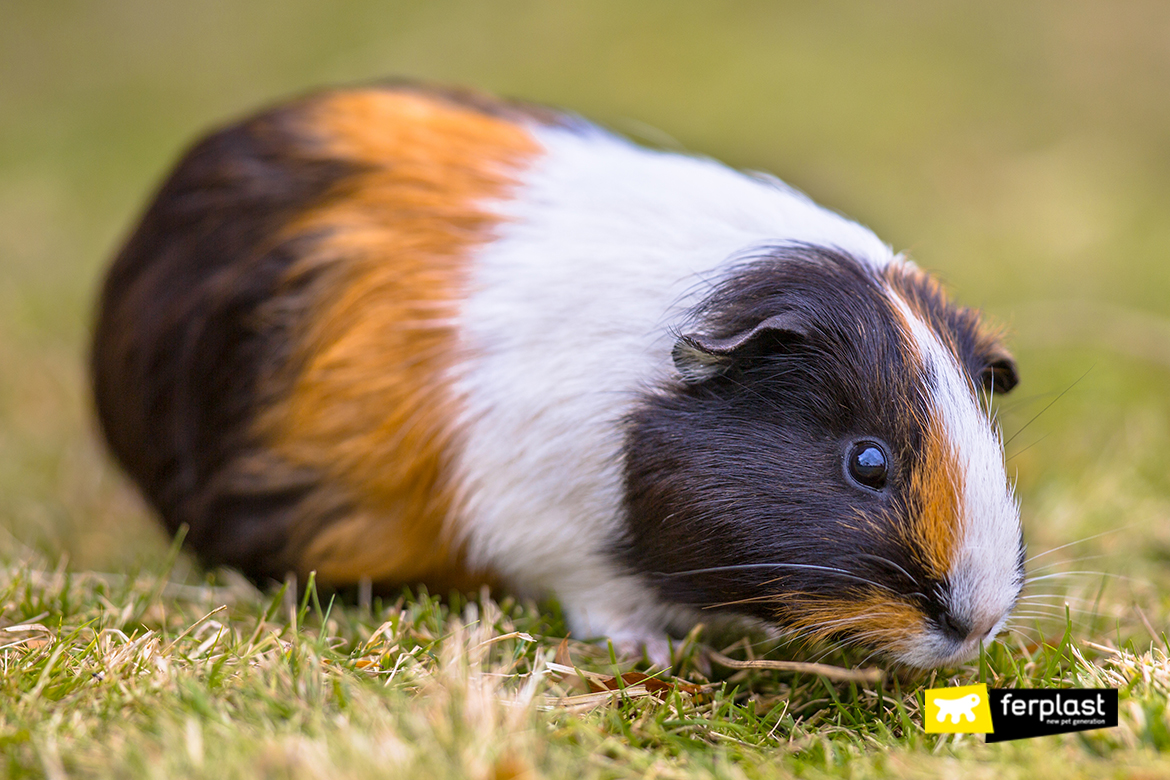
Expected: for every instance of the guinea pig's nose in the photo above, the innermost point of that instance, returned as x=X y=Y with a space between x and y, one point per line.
x=954 y=627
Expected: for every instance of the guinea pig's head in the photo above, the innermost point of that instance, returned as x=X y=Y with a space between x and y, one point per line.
x=825 y=459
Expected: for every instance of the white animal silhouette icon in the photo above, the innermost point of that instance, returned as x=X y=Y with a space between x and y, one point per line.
x=964 y=707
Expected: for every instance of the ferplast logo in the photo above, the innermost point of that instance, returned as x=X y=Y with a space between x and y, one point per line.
x=1037 y=712
x=964 y=710
x=1004 y=714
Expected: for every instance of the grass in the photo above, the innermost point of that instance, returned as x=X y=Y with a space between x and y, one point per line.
x=1017 y=149
x=141 y=676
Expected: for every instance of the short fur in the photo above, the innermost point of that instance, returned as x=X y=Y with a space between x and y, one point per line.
x=703 y=465
x=178 y=356
x=425 y=335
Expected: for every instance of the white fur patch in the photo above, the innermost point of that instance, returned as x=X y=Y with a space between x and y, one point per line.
x=568 y=317
x=984 y=576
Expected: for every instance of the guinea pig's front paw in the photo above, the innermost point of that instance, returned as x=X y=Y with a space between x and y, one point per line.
x=654 y=648
x=629 y=642
x=624 y=611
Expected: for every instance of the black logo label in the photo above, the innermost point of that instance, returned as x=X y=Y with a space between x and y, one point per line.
x=1021 y=713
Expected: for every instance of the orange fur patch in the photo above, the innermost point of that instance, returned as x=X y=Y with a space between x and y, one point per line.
x=935 y=487
x=874 y=618
x=369 y=409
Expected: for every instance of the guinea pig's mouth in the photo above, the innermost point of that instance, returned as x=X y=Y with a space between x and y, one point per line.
x=933 y=648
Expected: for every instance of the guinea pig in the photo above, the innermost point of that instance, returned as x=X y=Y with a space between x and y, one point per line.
x=420 y=335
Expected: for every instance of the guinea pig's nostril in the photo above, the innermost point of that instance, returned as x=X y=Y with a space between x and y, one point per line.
x=953 y=626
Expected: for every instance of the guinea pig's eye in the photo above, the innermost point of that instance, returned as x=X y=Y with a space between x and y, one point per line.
x=866 y=464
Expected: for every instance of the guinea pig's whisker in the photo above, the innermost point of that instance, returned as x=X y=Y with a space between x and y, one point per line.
x=1078 y=541
x=1058 y=596
x=834 y=647
x=1036 y=635
x=1019 y=623
x=858 y=640
x=794 y=635
x=1051 y=621
x=891 y=564
x=733 y=567
x=829 y=646
x=740 y=602
x=1059 y=574
x=801 y=566
x=1064 y=563
x=1021 y=452
x=1053 y=612
x=1058 y=610
x=1024 y=400
x=761 y=599
x=1045 y=599
x=848 y=575
x=1046 y=407
x=1028 y=635
x=1030 y=623
x=867 y=658
x=1056 y=623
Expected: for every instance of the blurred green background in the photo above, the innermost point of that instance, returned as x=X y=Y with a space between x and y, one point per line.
x=1020 y=150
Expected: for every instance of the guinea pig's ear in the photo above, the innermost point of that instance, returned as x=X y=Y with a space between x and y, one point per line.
x=999 y=374
x=699 y=358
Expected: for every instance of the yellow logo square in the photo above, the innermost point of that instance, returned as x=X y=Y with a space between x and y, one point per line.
x=963 y=710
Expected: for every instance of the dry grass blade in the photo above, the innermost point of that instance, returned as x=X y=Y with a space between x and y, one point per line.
x=192 y=627
x=585 y=702
x=870 y=676
x=39 y=636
